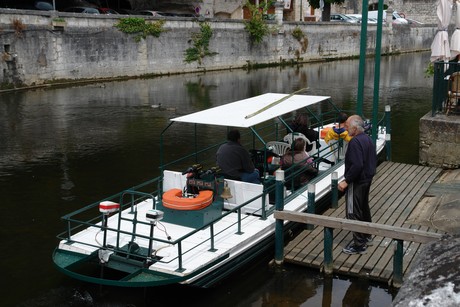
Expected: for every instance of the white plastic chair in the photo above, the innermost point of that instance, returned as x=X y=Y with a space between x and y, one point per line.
x=291 y=137
x=279 y=148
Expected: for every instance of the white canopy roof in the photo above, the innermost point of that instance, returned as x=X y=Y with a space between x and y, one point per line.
x=240 y=113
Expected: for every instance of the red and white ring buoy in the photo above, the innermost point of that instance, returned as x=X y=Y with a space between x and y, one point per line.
x=173 y=199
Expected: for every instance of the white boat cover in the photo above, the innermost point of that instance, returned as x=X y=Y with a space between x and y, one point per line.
x=239 y=113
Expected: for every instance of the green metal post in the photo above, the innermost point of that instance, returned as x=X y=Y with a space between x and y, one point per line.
x=239 y=232
x=362 y=57
x=398 y=264
x=311 y=203
x=105 y=218
x=388 y=131
x=212 y=249
x=152 y=226
x=335 y=190
x=196 y=144
x=179 y=252
x=328 y=262
x=378 y=51
x=279 y=205
x=438 y=79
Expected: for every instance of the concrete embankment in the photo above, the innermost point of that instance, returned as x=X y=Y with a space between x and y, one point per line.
x=434 y=279
x=37 y=49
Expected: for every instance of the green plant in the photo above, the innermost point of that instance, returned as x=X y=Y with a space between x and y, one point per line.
x=200 y=47
x=137 y=25
x=256 y=25
x=429 y=71
x=59 y=19
x=298 y=34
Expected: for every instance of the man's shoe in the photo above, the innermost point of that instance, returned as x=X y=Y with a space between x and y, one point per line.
x=354 y=249
x=369 y=241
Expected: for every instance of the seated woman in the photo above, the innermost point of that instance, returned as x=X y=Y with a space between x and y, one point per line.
x=300 y=158
x=301 y=124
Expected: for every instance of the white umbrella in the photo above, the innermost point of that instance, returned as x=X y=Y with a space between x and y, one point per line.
x=440 y=49
x=455 y=40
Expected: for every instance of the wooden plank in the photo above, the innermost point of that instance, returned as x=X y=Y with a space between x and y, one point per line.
x=358 y=226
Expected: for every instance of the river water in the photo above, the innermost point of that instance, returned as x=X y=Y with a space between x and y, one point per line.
x=62 y=148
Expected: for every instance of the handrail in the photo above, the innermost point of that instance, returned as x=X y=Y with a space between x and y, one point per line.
x=399 y=234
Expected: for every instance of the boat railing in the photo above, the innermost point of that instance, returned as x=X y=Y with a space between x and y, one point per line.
x=76 y=221
x=212 y=235
x=137 y=197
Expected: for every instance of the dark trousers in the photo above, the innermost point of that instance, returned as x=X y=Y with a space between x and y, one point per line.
x=357 y=208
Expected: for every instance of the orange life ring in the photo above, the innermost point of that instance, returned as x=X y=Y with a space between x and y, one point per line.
x=173 y=199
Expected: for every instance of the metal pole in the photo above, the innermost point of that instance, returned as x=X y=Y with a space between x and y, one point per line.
x=311 y=203
x=105 y=218
x=362 y=58
x=378 y=51
x=149 y=256
x=388 y=131
x=334 y=190
x=279 y=205
x=211 y=228
x=300 y=17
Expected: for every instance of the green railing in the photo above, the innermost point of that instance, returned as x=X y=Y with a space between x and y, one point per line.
x=76 y=222
x=441 y=73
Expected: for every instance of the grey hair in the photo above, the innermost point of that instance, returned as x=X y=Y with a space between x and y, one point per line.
x=357 y=121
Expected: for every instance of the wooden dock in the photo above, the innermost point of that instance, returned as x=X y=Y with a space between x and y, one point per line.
x=395 y=192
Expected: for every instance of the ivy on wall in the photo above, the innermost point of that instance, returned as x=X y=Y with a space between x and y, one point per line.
x=298 y=34
x=138 y=26
x=200 y=47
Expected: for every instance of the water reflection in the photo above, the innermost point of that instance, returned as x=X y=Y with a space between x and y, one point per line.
x=63 y=148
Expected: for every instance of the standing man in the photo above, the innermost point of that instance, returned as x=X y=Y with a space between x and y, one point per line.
x=234 y=160
x=360 y=165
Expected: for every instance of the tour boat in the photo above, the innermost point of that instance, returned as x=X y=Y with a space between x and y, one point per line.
x=191 y=225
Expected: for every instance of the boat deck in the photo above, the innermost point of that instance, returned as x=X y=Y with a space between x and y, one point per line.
x=396 y=191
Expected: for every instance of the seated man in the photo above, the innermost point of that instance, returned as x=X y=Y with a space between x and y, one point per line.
x=235 y=161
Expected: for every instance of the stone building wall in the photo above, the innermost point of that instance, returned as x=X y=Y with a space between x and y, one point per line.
x=420 y=10
x=90 y=47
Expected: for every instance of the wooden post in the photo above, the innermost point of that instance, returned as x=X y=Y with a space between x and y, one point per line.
x=279 y=205
x=328 y=261
x=334 y=190
x=398 y=264
x=311 y=203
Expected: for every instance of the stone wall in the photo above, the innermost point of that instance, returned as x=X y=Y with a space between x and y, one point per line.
x=90 y=47
x=433 y=279
x=440 y=141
